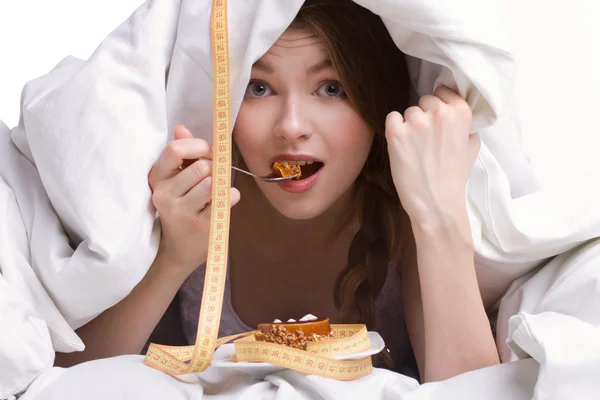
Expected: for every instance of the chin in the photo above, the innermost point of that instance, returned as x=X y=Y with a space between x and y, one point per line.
x=300 y=213
x=299 y=210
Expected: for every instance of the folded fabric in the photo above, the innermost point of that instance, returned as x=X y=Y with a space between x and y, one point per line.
x=126 y=377
x=567 y=349
x=552 y=316
x=76 y=165
x=30 y=323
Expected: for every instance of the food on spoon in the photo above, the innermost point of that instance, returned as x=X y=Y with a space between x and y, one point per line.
x=296 y=334
x=284 y=169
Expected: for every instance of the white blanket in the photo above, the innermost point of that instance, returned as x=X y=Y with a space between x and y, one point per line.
x=77 y=230
x=127 y=378
x=554 y=356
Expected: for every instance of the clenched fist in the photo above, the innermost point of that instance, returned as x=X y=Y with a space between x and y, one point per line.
x=432 y=153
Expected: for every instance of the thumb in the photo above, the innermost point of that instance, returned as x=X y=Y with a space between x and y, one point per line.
x=234 y=197
x=181 y=132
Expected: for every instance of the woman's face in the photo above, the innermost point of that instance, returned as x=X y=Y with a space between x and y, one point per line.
x=296 y=110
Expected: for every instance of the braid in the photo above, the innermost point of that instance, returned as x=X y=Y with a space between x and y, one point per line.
x=373 y=248
x=381 y=239
x=361 y=281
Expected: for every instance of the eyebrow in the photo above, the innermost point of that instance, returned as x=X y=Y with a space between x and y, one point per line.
x=320 y=66
x=314 y=69
x=263 y=66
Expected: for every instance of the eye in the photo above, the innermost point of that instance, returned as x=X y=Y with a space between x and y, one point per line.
x=331 y=89
x=257 y=89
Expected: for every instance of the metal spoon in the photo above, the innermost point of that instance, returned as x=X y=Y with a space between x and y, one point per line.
x=266 y=178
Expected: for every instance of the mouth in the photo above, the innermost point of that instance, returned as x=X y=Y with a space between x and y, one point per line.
x=304 y=168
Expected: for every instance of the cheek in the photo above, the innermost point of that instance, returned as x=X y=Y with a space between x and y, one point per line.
x=248 y=133
x=241 y=131
x=353 y=137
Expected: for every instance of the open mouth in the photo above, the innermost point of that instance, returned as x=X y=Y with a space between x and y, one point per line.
x=290 y=168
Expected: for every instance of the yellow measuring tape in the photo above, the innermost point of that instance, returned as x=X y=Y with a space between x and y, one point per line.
x=316 y=359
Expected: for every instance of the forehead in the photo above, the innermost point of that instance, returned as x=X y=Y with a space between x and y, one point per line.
x=298 y=44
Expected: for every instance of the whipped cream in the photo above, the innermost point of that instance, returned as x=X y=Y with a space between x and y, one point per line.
x=307 y=317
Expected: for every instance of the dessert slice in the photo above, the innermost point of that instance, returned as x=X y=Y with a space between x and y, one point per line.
x=296 y=334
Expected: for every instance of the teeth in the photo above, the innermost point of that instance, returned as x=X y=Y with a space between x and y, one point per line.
x=300 y=163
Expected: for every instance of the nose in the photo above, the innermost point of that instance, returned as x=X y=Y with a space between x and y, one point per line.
x=294 y=123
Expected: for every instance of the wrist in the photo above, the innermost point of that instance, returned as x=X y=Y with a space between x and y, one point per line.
x=170 y=269
x=443 y=226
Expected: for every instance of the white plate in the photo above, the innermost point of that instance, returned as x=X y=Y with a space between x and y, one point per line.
x=258 y=370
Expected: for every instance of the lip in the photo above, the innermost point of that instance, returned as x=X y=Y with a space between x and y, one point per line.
x=301 y=186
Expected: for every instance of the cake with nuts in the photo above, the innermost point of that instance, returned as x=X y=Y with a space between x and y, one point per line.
x=296 y=334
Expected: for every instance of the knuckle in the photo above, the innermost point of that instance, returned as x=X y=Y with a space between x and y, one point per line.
x=419 y=122
x=463 y=109
x=426 y=99
x=439 y=110
x=159 y=199
x=202 y=168
x=205 y=146
x=172 y=149
x=205 y=187
x=412 y=110
x=394 y=122
x=151 y=179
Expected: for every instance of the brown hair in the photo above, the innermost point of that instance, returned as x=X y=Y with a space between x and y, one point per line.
x=373 y=72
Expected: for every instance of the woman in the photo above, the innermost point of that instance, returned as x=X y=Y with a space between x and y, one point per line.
x=376 y=232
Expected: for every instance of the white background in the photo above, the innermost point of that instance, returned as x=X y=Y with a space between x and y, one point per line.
x=557 y=44
x=35 y=35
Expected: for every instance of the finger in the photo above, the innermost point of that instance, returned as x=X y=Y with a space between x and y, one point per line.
x=174 y=155
x=198 y=198
x=181 y=132
x=394 y=118
x=184 y=181
x=393 y=121
x=203 y=215
x=427 y=102
x=234 y=197
x=413 y=112
x=447 y=95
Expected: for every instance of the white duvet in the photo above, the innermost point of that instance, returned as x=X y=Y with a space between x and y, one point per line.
x=77 y=230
